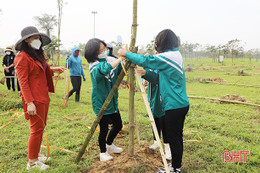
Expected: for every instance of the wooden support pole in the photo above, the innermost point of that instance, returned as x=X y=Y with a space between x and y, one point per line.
x=102 y=111
x=136 y=128
x=150 y=114
x=224 y=100
x=131 y=112
x=132 y=84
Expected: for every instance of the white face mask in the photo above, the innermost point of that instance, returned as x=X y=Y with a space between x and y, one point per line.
x=8 y=53
x=103 y=55
x=36 y=44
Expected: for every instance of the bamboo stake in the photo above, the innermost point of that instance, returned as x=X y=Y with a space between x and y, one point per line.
x=256 y=86
x=136 y=128
x=223 y=100
x=131 y=81
x=101 y=112
x=149 y=111
x=131 y=112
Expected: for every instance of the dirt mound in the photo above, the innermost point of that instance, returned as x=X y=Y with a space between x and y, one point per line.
x=188 y=69
x=203 y=80
x=123 y=84
x=3 y=95
x=235 y=97
x=56 y=77
x=144 y=160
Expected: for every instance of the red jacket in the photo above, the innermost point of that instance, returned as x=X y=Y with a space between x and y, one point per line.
x=34 y=84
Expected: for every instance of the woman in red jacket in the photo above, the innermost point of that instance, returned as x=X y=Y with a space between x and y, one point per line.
x=35 y=79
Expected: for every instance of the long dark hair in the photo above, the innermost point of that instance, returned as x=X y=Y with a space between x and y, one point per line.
x=166 y=40
x=37 y=55
x=92 y=49
x=111 y=53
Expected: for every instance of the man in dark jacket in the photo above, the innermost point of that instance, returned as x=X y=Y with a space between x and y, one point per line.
x=8 y=63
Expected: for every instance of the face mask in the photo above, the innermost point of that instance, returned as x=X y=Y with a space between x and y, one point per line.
x=108 y=53
x=8 y=53
x=102 y=55
x=76 y=53
x=36 y=44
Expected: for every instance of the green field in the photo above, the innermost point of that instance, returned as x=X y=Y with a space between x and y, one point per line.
x=215 y=127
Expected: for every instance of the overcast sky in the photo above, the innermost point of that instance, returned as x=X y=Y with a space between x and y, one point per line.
x=202 y=21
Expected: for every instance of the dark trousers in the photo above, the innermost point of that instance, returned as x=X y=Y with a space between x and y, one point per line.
x=103 y=124
x=174 y=122
x=8 y=81
x=160 y=124
x=76 y=84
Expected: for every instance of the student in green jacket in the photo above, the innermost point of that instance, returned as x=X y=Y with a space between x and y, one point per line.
x=155 y=101
x=169 y=63
x=104 y=70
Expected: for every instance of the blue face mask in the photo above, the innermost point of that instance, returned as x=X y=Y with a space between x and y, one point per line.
x=107 y=52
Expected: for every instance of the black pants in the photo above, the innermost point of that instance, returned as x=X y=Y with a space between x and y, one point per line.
x=18 y=86
x=103 y=124
x=76 y=84
x=8 y=81
x=174 y=121
x=160 y=124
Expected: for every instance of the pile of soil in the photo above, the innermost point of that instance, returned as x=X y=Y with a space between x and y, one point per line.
x=203 y=80
x=123 y=84
x=189 y=69
x=209 y=69
x=144 y=160
x=3 y=95
x=235 y=97
x=218 y=79
x=56 y=77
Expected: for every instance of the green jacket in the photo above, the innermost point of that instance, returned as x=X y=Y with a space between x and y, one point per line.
x=103 y=78
x=154 y=96
x=171 y=76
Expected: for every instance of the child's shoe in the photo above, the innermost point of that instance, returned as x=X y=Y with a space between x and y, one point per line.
x=38 y=165
x=154 y=146
x=105 y=157
x=113 y=149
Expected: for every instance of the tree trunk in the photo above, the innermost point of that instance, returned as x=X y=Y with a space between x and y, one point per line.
x=132 y=83
x=102 y=111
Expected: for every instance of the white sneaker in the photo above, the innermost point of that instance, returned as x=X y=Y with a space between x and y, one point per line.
x=42 y=158
x=168 y=153
x=154 y=146
x=163 y=170
x=113 y=149
x=105 y=157
x=38 y=165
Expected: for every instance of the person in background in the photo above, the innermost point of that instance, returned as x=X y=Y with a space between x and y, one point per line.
x=172 y=82
x=35 y=79
x=154 y=98
x=8 y=64
x=76 y=71
x=104 y=71
x=110 y=50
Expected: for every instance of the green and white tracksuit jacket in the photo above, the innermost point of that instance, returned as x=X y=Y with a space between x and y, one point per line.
x=103 y=77
x=171 y=76
x=153 y=91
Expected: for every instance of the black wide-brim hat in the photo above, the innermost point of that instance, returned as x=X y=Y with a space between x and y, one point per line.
x=30 y=31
